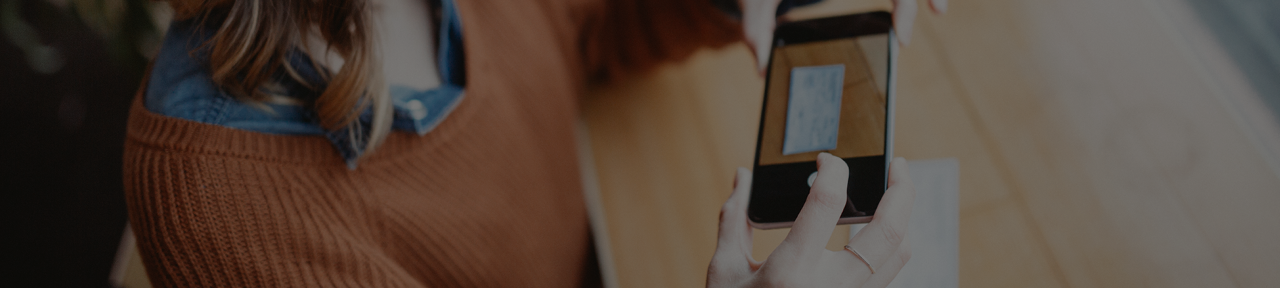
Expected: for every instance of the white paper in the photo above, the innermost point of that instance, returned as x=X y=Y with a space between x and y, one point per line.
x=813 y=109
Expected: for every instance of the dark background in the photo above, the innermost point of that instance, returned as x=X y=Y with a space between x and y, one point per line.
x=63 y=136
x=1250 y=32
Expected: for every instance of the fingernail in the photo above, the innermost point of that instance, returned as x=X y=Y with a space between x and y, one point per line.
x=742 y=172
x=939 y=6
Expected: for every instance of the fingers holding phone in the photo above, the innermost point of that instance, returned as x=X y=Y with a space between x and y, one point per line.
x=880 y=243
x=808 y=236
x=801 y=260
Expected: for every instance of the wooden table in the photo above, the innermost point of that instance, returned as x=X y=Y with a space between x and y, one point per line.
x=1101 y=143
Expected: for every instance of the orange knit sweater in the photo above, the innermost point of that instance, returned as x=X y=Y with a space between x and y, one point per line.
x=491 y=197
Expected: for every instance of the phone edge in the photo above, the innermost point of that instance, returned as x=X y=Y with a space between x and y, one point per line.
x=890 y=106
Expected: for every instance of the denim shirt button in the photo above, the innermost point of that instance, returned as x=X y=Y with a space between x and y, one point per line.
x=416 y=109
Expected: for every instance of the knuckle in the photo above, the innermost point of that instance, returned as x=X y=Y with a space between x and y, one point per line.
x=717 y=271
x=827 y=197
x=894 y=233
x=730 y=207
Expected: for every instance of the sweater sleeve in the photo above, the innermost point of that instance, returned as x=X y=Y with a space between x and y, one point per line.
x=622 y=37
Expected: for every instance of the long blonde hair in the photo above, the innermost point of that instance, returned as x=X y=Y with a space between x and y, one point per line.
x=255 y=35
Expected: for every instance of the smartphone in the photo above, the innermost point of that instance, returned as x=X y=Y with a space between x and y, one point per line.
x=828 y=88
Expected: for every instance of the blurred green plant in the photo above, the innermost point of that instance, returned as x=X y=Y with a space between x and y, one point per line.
x=130 y=29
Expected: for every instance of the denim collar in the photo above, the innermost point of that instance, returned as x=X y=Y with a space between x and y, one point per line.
x=181 y=86
x=416 y=111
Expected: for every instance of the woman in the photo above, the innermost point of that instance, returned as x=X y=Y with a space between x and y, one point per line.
x=402 y=143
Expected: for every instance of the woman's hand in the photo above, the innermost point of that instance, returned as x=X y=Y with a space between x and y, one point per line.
x=758 y=21
x=802 y=259
x=759 y=17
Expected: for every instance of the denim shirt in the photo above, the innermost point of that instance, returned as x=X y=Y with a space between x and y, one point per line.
x=181 y=87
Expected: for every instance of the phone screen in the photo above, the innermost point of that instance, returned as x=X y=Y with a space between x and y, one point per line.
x=827 y=89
